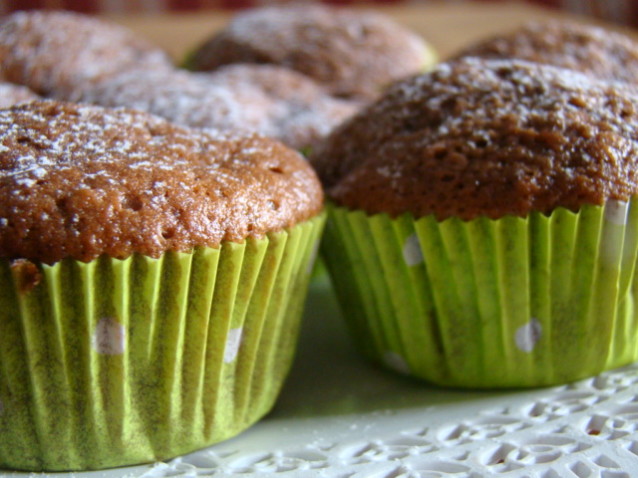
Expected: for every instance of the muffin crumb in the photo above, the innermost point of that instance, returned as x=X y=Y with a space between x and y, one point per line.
x=27 y=273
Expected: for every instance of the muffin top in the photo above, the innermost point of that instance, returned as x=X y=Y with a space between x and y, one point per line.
x=299 y=112
x=488 y=138
x=352 y=53
x=586 y=48
x=79 y=181
x=268 y=99
x=52 y=52
x=11 y=94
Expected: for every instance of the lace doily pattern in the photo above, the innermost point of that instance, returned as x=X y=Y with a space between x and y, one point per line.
x=581 y=430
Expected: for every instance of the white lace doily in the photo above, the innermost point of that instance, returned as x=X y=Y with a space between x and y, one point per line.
x=339 y=417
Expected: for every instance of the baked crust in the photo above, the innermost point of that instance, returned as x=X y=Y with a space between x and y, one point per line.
x=268 y=99
x=80 y=181
x=354 y=54
x=55 y=52
x=586 y=48
x=489 y=138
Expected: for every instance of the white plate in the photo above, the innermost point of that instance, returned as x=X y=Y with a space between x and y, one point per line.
x=339 y=417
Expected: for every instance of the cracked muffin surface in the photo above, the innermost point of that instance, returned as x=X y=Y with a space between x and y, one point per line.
x=490 y=138
x=80 y=181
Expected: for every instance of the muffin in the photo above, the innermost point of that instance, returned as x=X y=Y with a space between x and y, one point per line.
x=301 y=111
x=267 y=99
x=54 y=52
x=11 y=94
x=151 y=283
x=354 y=54
x=481 y=230
x=109 y=66
x=586 y=48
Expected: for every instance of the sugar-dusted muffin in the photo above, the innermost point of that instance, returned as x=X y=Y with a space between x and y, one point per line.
x=354 y=54
x=586 y=48
x=151 y=283
x=268 y=99
x=300 y=113
x=11 y=94
x=54 y=52
x=482 y=231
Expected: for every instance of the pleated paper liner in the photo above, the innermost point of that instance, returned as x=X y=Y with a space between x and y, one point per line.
x=117 y=362
x=514 y=302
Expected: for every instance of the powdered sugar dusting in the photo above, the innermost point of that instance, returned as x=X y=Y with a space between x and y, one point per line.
x=270 y=100
x=54 y=52
x=352 y=53
x=121 y=181
x=486 y=137
x=79 y=58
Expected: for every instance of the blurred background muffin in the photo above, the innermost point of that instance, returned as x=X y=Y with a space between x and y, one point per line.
x=53 y=53
x=353 y=54
x=111 y=66
x=586 y=48
x=270 y=100
x=11 y=94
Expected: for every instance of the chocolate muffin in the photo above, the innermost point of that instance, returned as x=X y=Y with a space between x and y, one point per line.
x=354 y=54
x=54 y=52
x=151 y=283
x=494 y=138
x=488 y=208
x=11 y=94
x=267 y=99
x=586 y=48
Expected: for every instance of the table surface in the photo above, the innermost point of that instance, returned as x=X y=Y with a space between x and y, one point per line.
x=339 y=417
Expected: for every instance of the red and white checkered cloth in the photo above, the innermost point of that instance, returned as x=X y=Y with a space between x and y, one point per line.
x=620 y=11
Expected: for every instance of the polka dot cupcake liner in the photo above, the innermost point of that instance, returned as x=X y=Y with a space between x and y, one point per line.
x=513 y=302
x=117 y=362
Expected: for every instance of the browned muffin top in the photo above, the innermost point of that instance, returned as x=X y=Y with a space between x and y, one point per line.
x=11 y=94
x=486 y=137
x=54 y=52
x=584 y=48
x=353 y=53
x=267 y=99
x=80 y=181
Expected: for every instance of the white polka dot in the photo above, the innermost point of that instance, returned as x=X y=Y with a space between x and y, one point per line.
x=616 y=212
x=412 y=251
x=528 y=335
x=610 y=252
x=232 y=344
x=397 y=363
x=109 y=337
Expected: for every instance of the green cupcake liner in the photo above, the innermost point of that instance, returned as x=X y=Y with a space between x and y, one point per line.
x=117 y=362
x=513 y=302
